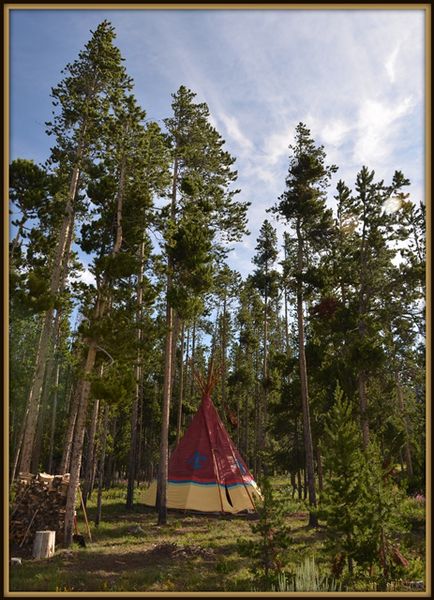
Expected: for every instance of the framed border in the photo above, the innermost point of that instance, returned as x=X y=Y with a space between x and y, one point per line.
x=416 y=5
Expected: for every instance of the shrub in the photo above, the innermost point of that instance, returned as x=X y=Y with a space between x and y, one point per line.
x=307 y=578
x=268 y=551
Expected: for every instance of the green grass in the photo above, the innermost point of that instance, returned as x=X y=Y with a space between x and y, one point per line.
x=193 y=552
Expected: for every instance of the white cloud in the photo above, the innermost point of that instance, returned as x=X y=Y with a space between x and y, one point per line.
x=86 y=277
x=266 y=175
x=233 y=129
x=377 y=124
x=335 y=132
x=276 y=145
x=390 y=64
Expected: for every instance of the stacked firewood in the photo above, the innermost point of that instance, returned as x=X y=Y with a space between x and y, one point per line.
x=39 y=505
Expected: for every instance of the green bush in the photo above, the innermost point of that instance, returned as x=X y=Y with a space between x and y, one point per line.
x=307 y=578
x=268 y=550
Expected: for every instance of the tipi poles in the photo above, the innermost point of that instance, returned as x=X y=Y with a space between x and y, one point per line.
x=217 y=475
x=242 y=477
x=239 y=469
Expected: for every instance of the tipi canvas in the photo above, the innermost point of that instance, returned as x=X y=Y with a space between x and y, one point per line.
x=206 y=471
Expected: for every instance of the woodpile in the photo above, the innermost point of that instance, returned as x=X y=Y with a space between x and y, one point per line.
x=39 y=505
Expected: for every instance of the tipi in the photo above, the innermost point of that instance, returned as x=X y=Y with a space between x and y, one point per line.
x=206 y=472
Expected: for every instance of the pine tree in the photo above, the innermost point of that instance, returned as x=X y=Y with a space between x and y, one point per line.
x=302 y=206
x=343 y=490
x=201 y=215
x=114 y=179
x=360 y=502
x=83 y=98
x=268 y=551
x=265 y=278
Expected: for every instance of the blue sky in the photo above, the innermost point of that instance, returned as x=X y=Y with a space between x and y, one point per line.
x=355 y=77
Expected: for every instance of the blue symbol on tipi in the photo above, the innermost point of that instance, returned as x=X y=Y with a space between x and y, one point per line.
x=197 y=460
x=241 y=467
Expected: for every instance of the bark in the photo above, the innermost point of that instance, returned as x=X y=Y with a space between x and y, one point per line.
x=257 y=461
x=138 y=377
x=224 y=352
x=188 y=371
x=264 y=420
x=53 y=418
x=59 y=269
x=193 y=351
x=19 y=437
x=64 y=463
x=320 y=469
x=285 y=299
x=139 y=468
x=167 y=385
x=363 y=403
x=104 y=429
x=35 y=464
x=175 y=337
x=77 y=448
x=164 y=442
x=181 y=387
x=246 y=426
x=308 y=447
x=299 y=485
x=90 y=452
x=47 y=387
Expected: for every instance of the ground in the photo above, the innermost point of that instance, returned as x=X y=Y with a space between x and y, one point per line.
x=193 y=552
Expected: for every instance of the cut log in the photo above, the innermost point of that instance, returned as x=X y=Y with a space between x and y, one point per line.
x=43 y=546
x=39 y=505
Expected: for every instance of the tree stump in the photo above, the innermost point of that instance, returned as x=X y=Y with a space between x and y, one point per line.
x=43 y=546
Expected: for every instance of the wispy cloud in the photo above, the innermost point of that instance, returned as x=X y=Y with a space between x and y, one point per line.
x=378 y=124
x=233 y=130
x=390 y=64
x=276 y=144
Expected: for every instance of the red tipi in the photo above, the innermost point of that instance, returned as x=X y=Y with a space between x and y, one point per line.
x=206 y=471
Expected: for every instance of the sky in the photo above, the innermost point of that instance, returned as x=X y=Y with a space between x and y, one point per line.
x=354 y=77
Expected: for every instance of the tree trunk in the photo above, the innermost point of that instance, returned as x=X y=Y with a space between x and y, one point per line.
x=308 y=447
x=193 y=351
x=43 y=545
x=53 y=418
x=46 y=392
x=175 y=337
x=90 y=451
x=363 y=403
x=58 y=273
x=264 y=420
x=35 y=462
x=139 y=467
x=246 y=425
x=103 y=438
x=319 y=466
x=77 y=448
x=64 y=463
x=181 y=387
x=164 y=443
x=138 y=377
x=167 y=385
x=223 y=346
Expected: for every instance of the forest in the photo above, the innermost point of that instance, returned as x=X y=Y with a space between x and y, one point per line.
x=318 y=354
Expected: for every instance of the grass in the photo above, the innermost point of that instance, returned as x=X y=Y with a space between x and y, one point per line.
x=193 y=552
